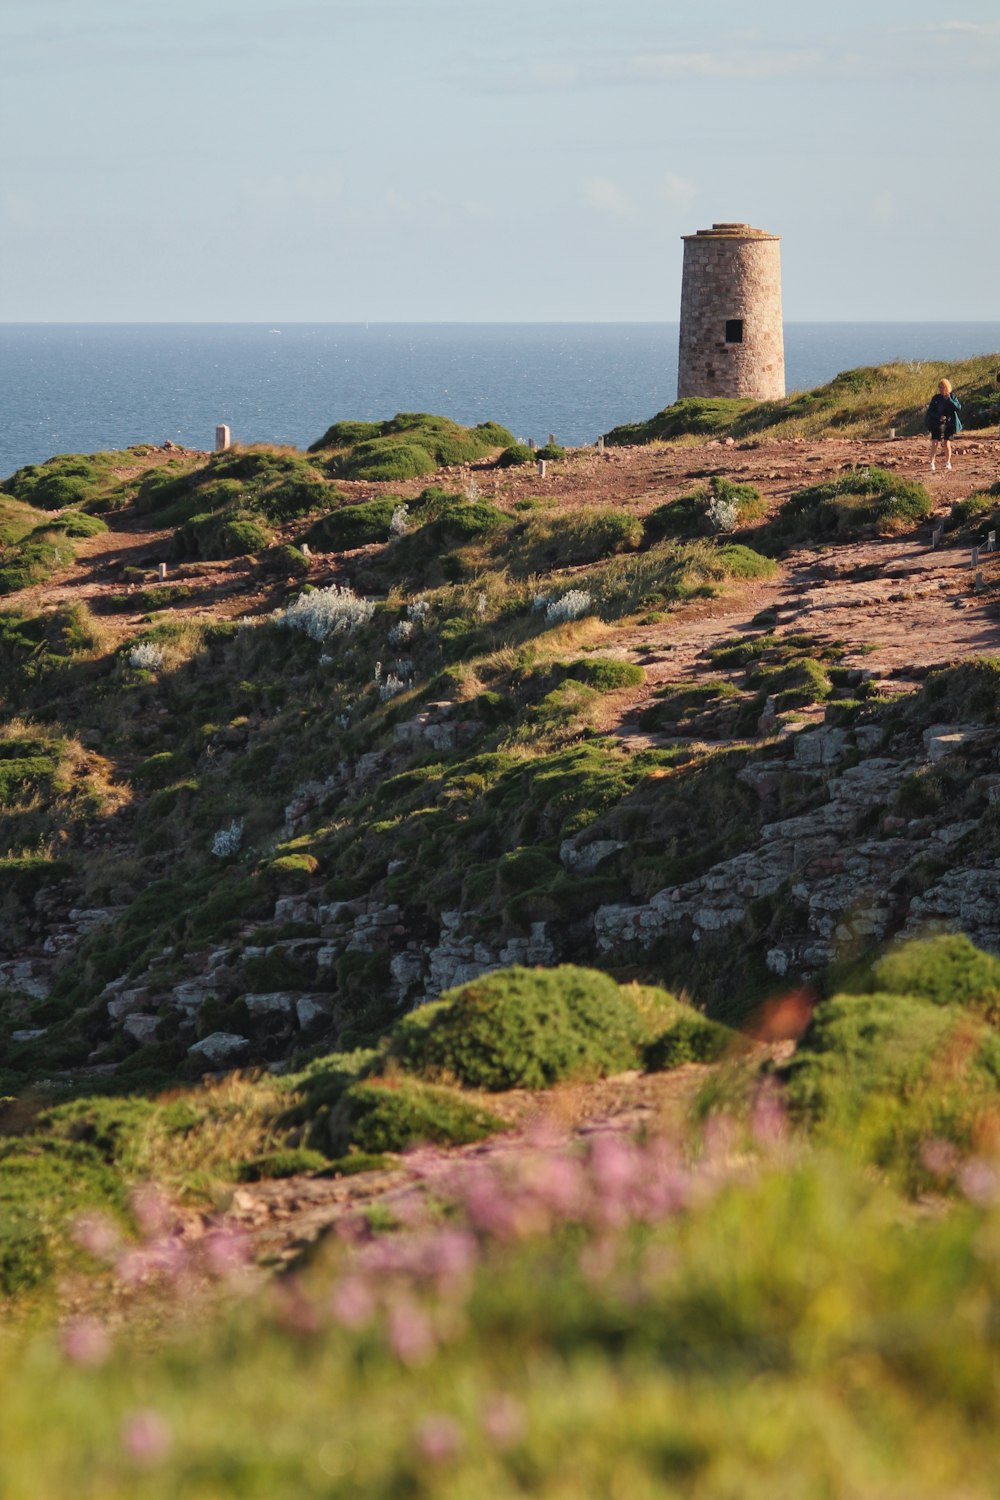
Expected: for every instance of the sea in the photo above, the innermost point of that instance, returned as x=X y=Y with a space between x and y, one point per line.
x=68 y=388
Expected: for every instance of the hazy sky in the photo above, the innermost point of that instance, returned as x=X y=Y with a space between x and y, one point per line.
x=491 y=159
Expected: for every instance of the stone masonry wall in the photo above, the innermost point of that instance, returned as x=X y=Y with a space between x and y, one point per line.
x=731 y=272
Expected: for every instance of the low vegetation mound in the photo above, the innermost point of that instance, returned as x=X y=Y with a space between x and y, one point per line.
x=226 y=507
x=528 y=1028
x=37 y=554
x=693 y=416
x=514 y=454
x=406 y=446
x=968 y=693
x=910 y=1061
x=790 y=672
x=356 y=525
x=568 y=539
x=861 y=502
x=948 y=970
x=378 y=1115
x=859 y=402
x=68 y=479
x=719 y=507
x=16 y=520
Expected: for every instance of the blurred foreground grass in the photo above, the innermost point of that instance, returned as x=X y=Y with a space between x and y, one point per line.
x=760 y=1322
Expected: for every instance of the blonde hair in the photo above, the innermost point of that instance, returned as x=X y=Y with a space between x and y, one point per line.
x=944 y=386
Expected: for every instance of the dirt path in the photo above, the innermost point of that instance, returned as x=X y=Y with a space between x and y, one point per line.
x=283 y=1217
x=102 y=576
x=894 y=603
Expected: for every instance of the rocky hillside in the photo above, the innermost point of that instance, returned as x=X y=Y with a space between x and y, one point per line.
x=286 y=748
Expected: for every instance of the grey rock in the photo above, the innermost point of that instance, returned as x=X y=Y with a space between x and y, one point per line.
x=407 y=970
x=141 y=1029
x=868 y=737
x=297 y=950
x=821 y=747
x=127 y=1002
x=369 y=766
x=294 y=909
x=221 y=1050
x=586 y=858
x=192 y=995
x=312 y=1008
x=28 y=977
x=275 y=1002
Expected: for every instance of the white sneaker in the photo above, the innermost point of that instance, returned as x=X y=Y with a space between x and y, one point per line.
x=947 y=466
x=933 y=466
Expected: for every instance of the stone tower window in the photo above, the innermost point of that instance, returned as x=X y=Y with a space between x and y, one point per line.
x=734 y=330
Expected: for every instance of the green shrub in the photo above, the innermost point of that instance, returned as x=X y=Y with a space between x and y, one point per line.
x=551 y=451
x=35 y=558
x=240 y=482
x=868 y=500
x=523 y=868
x=683 y=517
x=285 y=561
x=974 y=510
x=860 y=1046
x=216 y=537
x=427 y=550
x=390 y=1114
x=23 y=778
x=446 y=440
x=43 y=1184
x=25 y=1253
x=514 y=454
x=292 y=872
x=947 y=969
x=678 y=702
x=294 y=1161
x=743 y=562
x=67 y=479
x=571 y=538
x=354 y=526
x=739 y=651
x=698 y=415
x=697 y=514
x=795 y=684
x=690 y=1039
x=409 y=444
x=386 y=458
x=968 y=693
x=524 y=1028
x=607 y=674
x=16 y=521
x=347 y=435
x=77 y=523
x=889 y=1073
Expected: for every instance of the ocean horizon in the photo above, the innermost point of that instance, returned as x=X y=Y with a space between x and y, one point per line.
x=67 y=388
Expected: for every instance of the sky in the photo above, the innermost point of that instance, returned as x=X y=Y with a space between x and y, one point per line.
x=517 y=160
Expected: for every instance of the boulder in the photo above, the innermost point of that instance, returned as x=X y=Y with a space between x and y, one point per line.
x=585 y=859
x=140 y=1028
x=223 y=1049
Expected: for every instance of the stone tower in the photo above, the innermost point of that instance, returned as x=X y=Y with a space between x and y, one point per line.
x=732 y=342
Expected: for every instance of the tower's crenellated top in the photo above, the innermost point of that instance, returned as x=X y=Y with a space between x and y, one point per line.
x=731 y=339
x=731 y=232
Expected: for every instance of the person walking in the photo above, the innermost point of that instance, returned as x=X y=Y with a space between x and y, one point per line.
x=942 y=421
